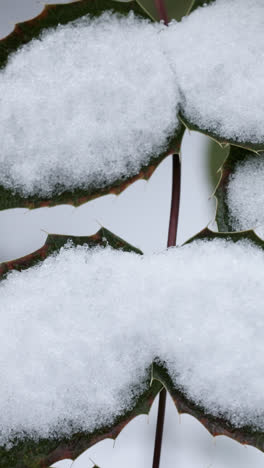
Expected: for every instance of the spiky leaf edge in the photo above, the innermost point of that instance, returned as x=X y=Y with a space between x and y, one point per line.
x=254 y=147
x=43 y=453
x=54 y=242
x=9 y=200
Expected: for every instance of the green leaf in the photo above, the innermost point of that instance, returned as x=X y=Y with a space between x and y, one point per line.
x=55 y=241
x=44 y=453
x=175 y=9
x=216 y=155
x=215 y=425
x=52 y=16
x=28 y=453
x=223 y=217
x=208 y=234
x=257 y=147
x=199 y=3
x=9 y=199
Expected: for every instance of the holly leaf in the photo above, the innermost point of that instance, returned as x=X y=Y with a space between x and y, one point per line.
x=9 y=199
x=53 y=15
x=208 y=77
x=208 y=234
x=28 y=453
x=236 y=156
x=216 y=156
x=55 y=242
x=223 y=141
x=23 y=34
x=216 y=426
x=45 y=452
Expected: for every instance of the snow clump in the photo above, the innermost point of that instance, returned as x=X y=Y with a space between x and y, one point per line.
x=217 y=55
x=87 y=104
x=245 y=194
x=80 y=330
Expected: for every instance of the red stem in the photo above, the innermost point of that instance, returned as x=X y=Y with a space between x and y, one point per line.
x=172 y=236
x=175 y=200
x=161 y=8
x=159 y=428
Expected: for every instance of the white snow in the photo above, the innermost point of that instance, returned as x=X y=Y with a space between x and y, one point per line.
x=79 y=330
x=245 y=194
x=217 y=54
x=91 y=102
x=85 y=105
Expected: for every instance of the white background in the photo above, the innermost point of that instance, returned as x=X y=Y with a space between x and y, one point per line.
x=139 y=215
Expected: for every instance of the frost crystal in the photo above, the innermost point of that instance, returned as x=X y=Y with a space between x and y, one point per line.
x=79 y=331
x=217 y=54
x=87 y=104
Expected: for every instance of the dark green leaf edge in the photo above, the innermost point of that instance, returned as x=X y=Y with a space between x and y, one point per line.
x=254 y=147
x=43 y=453
x=54 y=242
x=216 y=426
x=51 y=16
x=9 y=199
x=223 y=218
x=208 y=234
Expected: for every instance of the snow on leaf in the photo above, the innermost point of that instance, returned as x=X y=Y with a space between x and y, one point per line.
x=215 y=54
x=84 y=108
x=216 y=426
x=27 y=452
x=239 y=193
x=126 y=325
x=95 y=135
